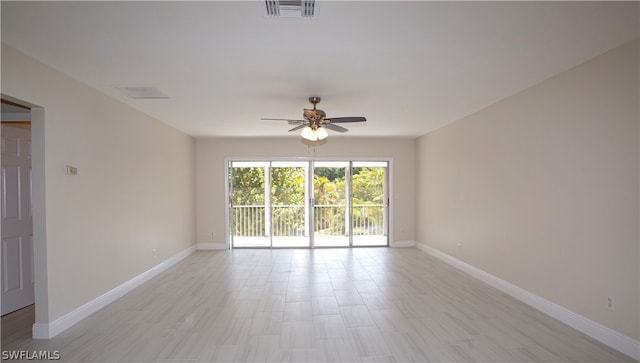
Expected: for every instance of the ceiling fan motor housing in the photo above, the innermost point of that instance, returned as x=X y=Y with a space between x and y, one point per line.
x=314 y=115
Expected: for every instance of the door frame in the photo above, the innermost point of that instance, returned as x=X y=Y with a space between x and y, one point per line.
x=389 y=187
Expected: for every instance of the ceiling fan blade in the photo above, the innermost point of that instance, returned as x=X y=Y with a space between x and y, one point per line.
x=291 y=122
x=298 y=127
x=336 y=120
x=335 y=128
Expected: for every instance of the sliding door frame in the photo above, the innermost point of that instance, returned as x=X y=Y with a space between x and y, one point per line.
x=310 y=160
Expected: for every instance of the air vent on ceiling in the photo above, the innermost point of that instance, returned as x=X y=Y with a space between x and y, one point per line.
x=291 y=8
x=142 y=92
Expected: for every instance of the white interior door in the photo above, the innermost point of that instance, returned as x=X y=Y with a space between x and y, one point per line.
x=17 y=225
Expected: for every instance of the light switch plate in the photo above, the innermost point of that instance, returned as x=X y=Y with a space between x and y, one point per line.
x=71 y=170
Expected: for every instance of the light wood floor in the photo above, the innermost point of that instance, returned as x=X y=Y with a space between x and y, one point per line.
x=349 y=305
x=16 y=326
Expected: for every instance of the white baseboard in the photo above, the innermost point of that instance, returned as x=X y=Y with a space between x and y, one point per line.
x=403 y=244
x=50 y=330
x=597 y=331
x=212 y=246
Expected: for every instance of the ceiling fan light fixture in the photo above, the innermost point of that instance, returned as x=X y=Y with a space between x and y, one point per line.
x=321 y=133
x=309 y=134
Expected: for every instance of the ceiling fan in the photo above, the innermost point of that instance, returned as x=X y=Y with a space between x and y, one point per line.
x=315 y=122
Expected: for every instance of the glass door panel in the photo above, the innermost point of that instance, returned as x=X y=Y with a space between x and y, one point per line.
x=369 y=203
x=249 y=223
x=330 y=208
x=289 y=204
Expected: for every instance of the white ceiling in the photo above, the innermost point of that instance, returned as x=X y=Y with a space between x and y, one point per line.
x=409 y=67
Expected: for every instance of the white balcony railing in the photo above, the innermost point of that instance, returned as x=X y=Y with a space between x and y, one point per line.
x=368 y=220
x=289 y=220
x=248 y=221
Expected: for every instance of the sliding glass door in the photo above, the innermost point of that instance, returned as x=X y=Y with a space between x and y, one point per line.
x=249 y=215
x=305 y=204
x=330 y=208
x=369 y=203
x=288 y=207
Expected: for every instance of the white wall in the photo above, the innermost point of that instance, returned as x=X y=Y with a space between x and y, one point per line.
x=542 y=189
x=135 y=188
x=211 y=154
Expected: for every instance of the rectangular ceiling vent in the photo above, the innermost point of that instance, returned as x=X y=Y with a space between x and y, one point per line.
x=142 y=92
x=291 y=8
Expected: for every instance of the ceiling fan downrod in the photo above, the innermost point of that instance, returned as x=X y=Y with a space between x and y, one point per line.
x=314 y=100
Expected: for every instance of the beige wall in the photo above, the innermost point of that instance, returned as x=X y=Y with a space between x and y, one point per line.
x=211 y=154
x=541 y=189
x=135 y=188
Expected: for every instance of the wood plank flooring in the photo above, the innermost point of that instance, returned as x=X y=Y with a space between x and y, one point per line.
x=323 y=305
x=16 y=326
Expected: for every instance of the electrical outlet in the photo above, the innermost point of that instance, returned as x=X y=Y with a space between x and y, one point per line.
x=459 y=245
x=154 y=253
x=611 y=303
